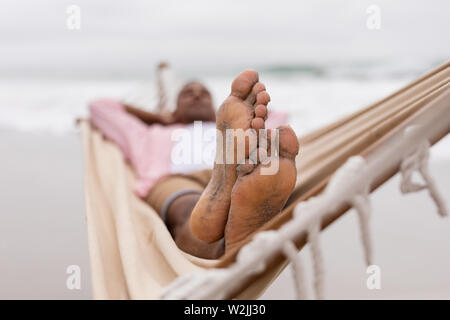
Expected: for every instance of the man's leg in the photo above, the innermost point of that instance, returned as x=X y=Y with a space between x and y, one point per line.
x=178 y=223
x=174 y=198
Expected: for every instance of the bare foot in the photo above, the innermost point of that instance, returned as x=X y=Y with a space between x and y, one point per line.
x=245 y=108
x=256 y=198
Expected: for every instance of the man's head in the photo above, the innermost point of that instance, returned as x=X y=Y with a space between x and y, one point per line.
x=194 y=103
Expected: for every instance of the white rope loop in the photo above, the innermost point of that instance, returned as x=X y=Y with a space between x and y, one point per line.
x=353 y=184
x=291 y=252
x=412 y=164
x=250 y=252
x=361 y=203
x=316 y=253
x=418 y=162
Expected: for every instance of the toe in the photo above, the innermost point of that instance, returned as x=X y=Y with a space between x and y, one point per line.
x=288 y=142
x=260 y=111
x=257 y=123
x=262 y=98
x=257 y=88
x=243 y=84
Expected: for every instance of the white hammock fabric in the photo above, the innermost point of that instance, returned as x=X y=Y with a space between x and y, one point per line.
x=133 y=256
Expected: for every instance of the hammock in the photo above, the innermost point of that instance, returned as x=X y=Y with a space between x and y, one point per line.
x=133 y=256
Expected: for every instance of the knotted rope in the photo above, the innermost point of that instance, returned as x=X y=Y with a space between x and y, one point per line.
x=316 y=253
x=418 y=162
x=291 y=252
x=361 y=203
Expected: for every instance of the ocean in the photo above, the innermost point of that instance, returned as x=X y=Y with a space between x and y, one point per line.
x=312 y=95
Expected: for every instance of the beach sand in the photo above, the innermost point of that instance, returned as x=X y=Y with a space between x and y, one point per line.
x=43 y=231
x=42 y=220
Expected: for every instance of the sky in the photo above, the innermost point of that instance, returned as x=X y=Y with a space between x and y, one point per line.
x=119 y=38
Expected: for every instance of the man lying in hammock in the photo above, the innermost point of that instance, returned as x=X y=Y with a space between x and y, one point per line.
x=208 y=212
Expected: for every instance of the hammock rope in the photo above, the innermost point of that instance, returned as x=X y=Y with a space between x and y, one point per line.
x=418 y=162
x=361 y=203
x=161 y=87
x=317 y=256
x=291 y=252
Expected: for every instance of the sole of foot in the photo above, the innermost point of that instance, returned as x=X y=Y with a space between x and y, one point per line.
x=257 y=196
x=245 y=108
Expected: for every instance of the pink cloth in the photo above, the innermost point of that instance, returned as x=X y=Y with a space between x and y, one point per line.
x=147 y=148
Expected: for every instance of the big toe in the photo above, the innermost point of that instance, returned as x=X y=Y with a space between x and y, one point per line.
x=288 y=142
x=243 y=83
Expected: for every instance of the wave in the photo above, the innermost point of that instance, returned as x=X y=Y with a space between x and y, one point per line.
x=366 y=69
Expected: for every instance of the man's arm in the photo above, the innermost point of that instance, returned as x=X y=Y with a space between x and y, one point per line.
x=150 y=117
